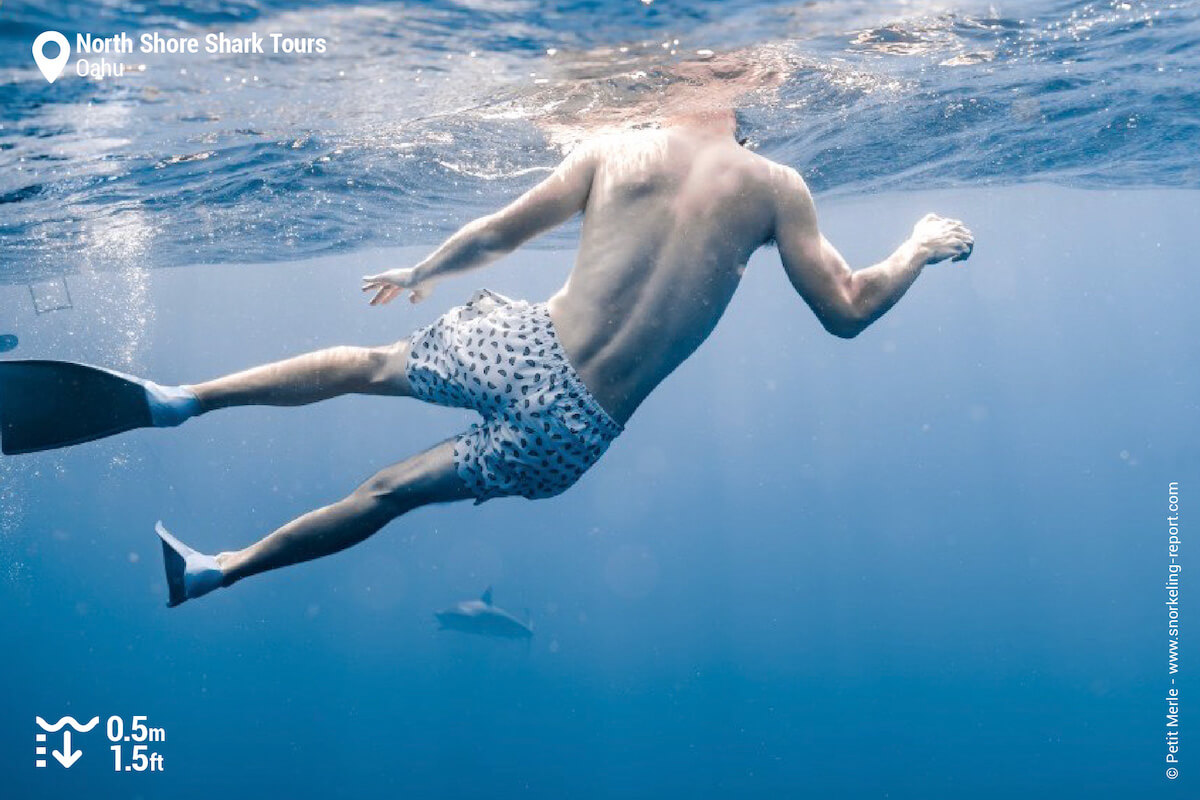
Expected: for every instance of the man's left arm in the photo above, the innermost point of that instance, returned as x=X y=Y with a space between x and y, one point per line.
x=846 y=300
x=480 y=242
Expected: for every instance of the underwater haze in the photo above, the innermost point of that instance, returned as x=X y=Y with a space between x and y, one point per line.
x=925 y=563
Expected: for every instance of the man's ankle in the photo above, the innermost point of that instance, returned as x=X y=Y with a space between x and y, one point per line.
x=228 y=562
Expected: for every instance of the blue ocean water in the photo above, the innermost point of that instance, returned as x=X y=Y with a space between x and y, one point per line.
x=925 y=563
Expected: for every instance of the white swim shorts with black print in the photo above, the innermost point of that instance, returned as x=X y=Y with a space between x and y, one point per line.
x=541 y=429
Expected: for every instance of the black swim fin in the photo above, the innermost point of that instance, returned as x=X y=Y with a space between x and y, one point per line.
x=49 y=404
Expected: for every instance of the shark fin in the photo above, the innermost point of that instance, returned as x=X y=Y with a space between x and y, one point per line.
x=486 y=597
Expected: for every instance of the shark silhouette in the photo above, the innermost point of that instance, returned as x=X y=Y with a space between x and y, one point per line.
x=482 y=618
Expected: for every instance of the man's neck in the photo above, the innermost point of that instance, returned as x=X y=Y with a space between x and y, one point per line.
x=718 y=122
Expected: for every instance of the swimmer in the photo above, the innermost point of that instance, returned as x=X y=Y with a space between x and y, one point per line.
x=671 y=216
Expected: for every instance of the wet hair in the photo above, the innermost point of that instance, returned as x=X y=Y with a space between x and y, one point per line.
x=739 y=128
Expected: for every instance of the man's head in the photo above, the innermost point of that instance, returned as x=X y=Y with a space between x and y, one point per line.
x=710 y=86
x=652 y=89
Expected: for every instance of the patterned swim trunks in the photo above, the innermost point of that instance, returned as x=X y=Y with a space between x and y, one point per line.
x=542 y=428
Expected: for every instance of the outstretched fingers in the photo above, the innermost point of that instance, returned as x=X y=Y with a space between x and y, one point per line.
x=385 y=290
x=388 y=285
x=386 y=294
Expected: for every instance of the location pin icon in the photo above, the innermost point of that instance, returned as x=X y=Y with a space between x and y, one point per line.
x=51 y=67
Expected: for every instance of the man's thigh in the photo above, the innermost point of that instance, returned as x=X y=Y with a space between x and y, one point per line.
x=428 y=477
x=389 y=367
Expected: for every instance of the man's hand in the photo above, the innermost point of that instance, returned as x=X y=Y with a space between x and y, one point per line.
x=388 y=285
x=942 y=238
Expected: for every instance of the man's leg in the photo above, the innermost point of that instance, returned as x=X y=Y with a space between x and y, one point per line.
x=423 y=479
x=311 y=377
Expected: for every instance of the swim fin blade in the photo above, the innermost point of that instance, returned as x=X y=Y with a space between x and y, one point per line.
x=190 y=574
x=50 y=404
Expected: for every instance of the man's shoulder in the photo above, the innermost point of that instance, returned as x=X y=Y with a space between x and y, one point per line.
x=770 y=176
x=779 y=175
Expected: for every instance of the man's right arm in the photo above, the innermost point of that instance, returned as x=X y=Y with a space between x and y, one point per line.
x=846 y=301
x=553 y=201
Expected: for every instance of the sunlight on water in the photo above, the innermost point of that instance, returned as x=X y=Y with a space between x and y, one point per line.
x=417 y=109
x=120 y=246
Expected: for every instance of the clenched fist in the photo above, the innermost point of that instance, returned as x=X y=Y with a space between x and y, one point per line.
x=942 y=238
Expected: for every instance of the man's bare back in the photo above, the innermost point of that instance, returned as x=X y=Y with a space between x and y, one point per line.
x=671 y=218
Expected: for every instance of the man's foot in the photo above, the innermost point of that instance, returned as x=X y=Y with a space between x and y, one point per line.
x=189 y=574
x=171 y=405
